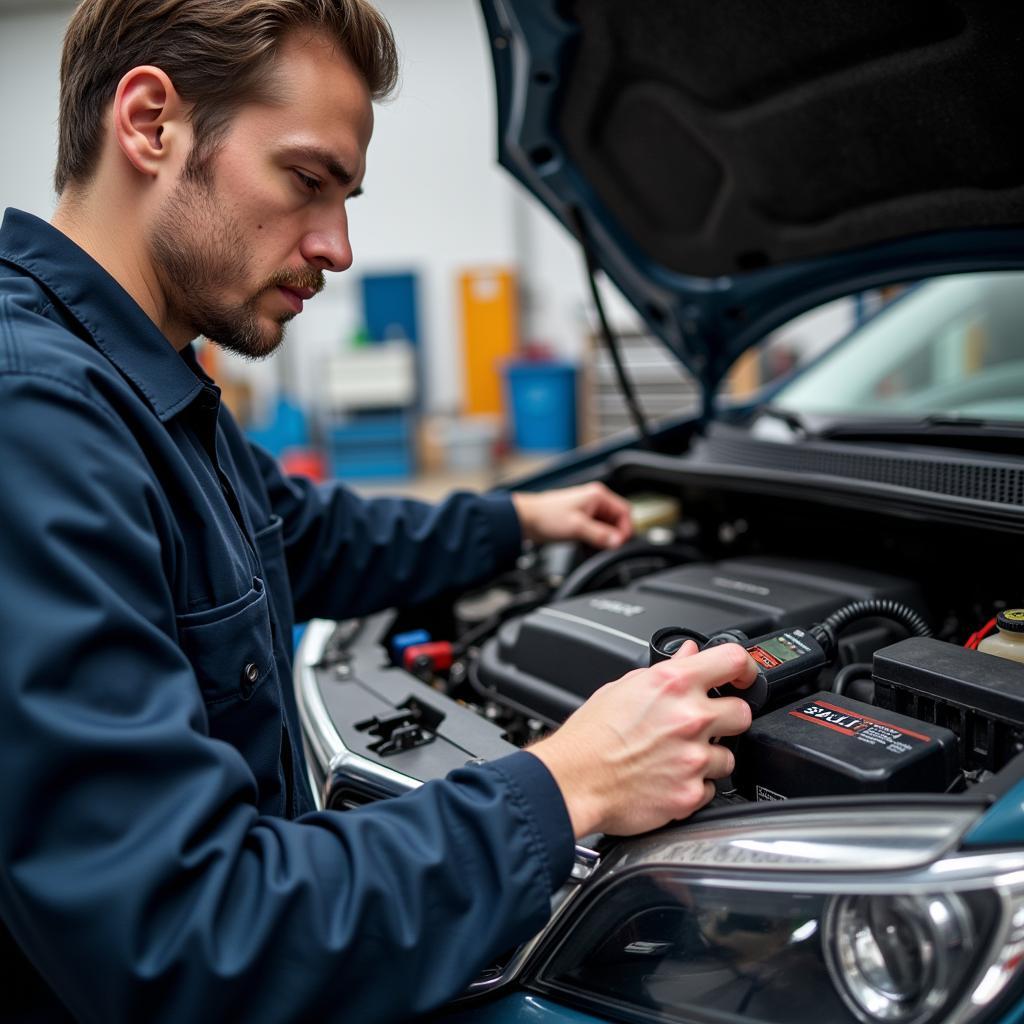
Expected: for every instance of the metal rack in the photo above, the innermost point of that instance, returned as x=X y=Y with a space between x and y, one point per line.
x=663 y=387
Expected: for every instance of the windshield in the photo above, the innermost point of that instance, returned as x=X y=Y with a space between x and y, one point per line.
x=950 y=346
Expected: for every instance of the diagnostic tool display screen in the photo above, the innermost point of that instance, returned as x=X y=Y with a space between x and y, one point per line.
x=780 y=648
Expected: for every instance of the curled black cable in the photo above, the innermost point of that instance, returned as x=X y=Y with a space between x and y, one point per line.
x=518 y=606
x=826 y=631
x=850 y=673
x=583 y=575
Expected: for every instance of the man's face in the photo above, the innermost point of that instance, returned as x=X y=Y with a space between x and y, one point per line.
x=242 y=241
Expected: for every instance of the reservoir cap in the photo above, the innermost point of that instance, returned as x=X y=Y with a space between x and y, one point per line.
x=1011 y=620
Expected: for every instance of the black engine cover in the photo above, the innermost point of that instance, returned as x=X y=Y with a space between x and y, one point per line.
x=549 y=661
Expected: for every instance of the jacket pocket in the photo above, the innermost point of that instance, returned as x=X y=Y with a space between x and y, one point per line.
x=232 y=653
x=230 y=646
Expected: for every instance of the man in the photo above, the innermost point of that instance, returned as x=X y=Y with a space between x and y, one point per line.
x=160 y=855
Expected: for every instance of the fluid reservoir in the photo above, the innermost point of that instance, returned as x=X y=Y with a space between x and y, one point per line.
x=1008 y=641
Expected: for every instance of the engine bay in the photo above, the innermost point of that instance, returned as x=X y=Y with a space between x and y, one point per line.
x=549 y=661
x=902 y=704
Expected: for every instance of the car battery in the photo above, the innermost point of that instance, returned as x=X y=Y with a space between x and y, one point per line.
x=827 y=745
x=979 y=696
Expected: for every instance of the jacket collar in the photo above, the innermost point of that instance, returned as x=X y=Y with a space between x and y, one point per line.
x=112 y=318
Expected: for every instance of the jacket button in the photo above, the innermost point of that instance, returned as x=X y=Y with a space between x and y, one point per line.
x=250 y=675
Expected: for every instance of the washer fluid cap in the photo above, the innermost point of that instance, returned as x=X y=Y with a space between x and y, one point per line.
x=1011 y=620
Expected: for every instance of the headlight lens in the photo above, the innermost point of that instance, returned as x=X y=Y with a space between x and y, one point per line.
x=665 y=945
x=897 y=958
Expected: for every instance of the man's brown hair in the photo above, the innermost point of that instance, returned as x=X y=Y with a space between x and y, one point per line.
x=218 y=53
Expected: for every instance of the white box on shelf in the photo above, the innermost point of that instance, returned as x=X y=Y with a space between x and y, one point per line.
x=373 y=376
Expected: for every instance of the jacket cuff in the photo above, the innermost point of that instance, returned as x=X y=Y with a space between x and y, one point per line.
x=507 y=533
x=534 y=789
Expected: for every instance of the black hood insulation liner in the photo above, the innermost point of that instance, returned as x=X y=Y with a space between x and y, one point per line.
x=731 y=135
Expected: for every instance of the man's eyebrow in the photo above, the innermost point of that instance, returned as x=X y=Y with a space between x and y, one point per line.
x=327 y=159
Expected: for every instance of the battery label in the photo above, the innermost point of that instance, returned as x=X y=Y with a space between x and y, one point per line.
x=861 y=728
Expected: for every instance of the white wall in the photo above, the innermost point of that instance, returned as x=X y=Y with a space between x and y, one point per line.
x=29 y=66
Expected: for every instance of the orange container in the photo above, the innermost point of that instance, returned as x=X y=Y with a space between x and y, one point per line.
x=490 y=335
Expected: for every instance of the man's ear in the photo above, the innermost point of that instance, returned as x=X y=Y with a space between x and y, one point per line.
x=149 y=119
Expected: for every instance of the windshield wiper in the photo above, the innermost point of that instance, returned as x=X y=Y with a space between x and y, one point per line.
x=945 y=424
x=794 y=420
x=932 y=428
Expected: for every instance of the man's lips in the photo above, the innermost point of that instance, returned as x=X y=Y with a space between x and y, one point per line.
x=296 y=296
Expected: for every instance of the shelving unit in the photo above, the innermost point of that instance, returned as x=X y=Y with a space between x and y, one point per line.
x=662 y=385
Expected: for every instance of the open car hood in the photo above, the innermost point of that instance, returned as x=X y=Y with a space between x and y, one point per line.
x=731 y=164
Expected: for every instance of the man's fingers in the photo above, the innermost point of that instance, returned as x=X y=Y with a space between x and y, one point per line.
x=721 y=763
x=616 y=510
x=590 y=513
x=732 y=717
x=716 y=666
x=688 y=648
x=598 y=534
x=709 y=794
x=606 y=506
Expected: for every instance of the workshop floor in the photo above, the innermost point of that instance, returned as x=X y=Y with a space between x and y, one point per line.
x=432 y=486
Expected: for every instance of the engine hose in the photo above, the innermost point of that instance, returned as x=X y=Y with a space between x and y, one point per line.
x=859 y=670
x=583 y=575
x=826 y=631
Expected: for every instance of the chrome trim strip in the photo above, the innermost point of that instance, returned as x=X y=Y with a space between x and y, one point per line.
x=600 y=626
x=961 y=874
x=338 y=763
x=366 y=776
x=855 y=839
x=319 y=732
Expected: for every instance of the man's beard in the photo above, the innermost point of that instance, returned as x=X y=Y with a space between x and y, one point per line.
x=200 y=254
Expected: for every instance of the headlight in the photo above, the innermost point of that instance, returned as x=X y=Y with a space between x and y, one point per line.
x=682 y=930
x=898 y=958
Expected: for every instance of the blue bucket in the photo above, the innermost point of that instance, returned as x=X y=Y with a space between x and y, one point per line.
x=542 y=397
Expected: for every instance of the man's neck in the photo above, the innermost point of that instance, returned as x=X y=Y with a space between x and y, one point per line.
x=121 y=252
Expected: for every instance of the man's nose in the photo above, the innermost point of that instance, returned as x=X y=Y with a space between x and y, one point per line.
x=328 y=248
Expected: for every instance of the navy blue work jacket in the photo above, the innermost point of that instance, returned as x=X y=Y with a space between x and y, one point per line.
x=160 y=854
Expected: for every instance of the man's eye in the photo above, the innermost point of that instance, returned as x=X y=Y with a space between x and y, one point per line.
x=310 y=183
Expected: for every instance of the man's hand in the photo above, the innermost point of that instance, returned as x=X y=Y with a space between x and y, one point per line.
x=639 y=754
x=590 y=513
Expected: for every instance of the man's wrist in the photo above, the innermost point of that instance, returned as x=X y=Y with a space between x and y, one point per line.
x=523 y=506
x=575 y=784
x=506 y=527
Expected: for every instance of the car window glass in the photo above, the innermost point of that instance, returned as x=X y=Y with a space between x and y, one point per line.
x=948 y=346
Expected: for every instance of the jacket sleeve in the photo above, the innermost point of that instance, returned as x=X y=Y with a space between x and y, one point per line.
x=135 y=871
x=350 y=556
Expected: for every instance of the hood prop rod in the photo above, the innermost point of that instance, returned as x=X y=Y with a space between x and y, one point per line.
x=611 y=342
